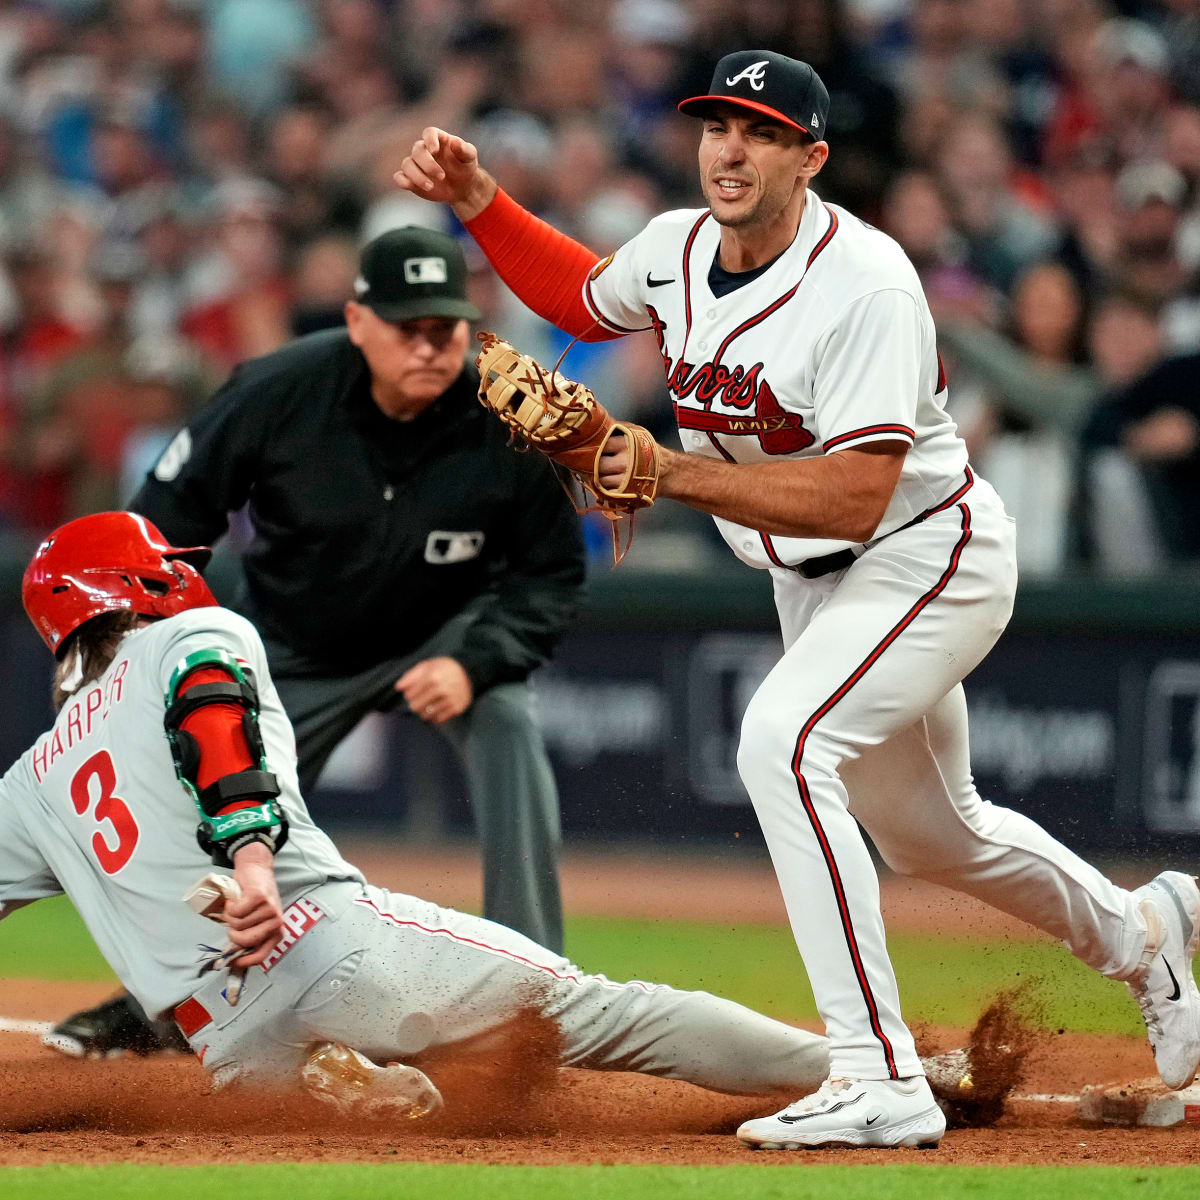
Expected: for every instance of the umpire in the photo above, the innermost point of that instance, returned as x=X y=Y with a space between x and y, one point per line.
x=403 y=554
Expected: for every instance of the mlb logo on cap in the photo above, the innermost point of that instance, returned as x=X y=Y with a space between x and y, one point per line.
x=784 y=89
x=408 y=274
x=425 y=270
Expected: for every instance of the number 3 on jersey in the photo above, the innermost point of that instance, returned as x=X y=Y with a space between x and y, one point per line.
x=109 y=807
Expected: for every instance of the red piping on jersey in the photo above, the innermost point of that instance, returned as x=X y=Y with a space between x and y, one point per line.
x=937 y=508
x=619 y=330
x=687 y=283
x=546 y=269
x=769 y=547
x=850 y=435
x=835 y=877
x=442 y=931
x=766 y=312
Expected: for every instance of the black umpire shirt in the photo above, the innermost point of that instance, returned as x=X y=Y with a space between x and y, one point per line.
x=371 y=533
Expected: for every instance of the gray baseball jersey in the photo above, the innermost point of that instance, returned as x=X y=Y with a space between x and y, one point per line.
x=94 y=809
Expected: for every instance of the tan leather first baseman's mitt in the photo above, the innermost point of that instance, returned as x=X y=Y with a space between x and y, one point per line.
x=565 y=421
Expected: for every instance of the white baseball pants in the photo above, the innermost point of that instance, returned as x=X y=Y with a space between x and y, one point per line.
x=864 y=718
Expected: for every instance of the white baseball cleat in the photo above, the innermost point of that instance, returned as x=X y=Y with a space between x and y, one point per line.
x=1166 y=990
x=853 y=1112
x=348 y=1080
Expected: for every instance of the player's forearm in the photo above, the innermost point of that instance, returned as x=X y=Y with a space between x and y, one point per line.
x=817 y=497
x=545 y=269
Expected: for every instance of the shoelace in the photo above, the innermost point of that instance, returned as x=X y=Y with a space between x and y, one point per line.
x=823 y=1095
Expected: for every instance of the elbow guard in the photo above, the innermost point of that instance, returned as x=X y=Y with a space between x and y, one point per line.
x=238 y=807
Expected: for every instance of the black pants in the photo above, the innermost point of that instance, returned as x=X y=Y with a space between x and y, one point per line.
x=513 y=793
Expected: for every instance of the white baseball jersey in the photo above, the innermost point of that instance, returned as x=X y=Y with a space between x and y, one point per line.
x=832 y=346
x=94 y=809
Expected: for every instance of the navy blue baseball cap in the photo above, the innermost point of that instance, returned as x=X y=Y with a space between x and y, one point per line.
x=784 y=89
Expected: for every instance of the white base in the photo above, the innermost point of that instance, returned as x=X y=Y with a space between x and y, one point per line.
x=1143 y=1102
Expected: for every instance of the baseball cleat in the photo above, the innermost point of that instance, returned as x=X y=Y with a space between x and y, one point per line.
x=353 y=1084
x=1165 y=988
x=854 y=1113
x=116 y=1027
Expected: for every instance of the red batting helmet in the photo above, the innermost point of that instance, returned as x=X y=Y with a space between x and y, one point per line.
x=105 y=563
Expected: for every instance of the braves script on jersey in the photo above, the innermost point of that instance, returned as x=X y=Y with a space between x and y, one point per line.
x=832 y=346
x=94 y=808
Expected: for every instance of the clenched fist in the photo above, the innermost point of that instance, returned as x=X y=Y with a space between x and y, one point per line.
x=444 y=168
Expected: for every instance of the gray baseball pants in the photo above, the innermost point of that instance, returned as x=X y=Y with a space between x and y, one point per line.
x=394 y=976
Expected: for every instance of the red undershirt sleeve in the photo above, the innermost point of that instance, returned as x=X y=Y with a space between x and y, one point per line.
x=545 y=269
x=218 y=731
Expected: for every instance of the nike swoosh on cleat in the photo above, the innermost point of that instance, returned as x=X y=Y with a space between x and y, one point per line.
x=789 y=1119
x=1173 y=980
x=872 y=1120
x=657 y=282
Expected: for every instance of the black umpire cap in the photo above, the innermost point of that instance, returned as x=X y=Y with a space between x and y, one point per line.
x=782 y=88
x=410 y=273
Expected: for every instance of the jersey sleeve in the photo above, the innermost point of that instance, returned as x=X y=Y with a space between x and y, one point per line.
x=211 y=629
x=867 y=372
x=24 y=873
x=613 y=291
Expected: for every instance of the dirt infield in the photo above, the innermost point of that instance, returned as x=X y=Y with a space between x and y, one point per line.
x=159 y=1110
x=56 y=1110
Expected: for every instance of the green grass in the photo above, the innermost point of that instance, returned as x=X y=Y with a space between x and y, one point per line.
x=322 y=1181
x=943 y=981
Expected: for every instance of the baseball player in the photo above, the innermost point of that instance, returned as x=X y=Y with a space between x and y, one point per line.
x=801 y=359
x=171 y=748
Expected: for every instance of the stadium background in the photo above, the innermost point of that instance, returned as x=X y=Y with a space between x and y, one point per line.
x=185 y=183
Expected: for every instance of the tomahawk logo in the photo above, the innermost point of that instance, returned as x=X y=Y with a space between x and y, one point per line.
x=754 y=73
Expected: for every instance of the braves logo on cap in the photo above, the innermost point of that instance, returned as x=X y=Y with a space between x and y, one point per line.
x=754 y=74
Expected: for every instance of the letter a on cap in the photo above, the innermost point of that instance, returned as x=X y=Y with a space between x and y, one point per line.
x=754 y=73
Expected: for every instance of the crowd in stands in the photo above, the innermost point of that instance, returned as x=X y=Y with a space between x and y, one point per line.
x=185 y=184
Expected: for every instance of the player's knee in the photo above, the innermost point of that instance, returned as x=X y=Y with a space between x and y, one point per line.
x=763 y=744
x=900 y=858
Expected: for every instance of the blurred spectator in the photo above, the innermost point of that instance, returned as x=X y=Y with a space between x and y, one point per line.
x=252 y=43
x=324 y=280
x=989 y=199
x=247 y=315
x=1144 y=470
x=1025 y=153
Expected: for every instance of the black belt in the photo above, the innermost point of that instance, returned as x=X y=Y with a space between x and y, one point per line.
x=814 y=568
x=839 y=560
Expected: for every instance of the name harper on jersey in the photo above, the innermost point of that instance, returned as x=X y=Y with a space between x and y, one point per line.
x=84 y=714
x=778 y=431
